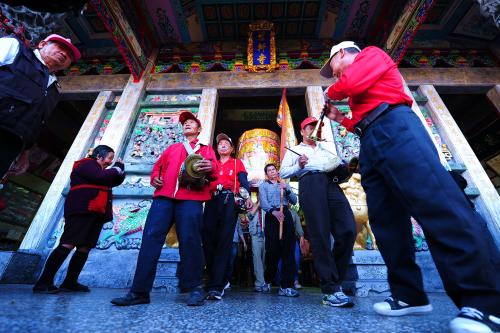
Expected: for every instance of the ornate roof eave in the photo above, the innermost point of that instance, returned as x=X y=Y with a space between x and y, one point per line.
x=406 y=27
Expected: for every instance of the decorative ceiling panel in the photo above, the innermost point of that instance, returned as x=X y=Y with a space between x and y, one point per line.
x=223 y=20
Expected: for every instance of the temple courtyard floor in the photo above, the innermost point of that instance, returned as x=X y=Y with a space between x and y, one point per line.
x=239 y=311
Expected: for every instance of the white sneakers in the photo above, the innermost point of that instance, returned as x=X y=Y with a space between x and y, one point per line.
x=471 y=320
x=468 y=320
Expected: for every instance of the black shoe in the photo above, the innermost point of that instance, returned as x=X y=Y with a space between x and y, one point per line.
x=131 y=299
x=394 y=307
x=41 y=288
x=78 y=287
x=473 y=320
x=196 y=297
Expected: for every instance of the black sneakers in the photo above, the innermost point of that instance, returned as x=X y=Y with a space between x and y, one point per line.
x=394 y=307
x=131 y=299
x=471 y=320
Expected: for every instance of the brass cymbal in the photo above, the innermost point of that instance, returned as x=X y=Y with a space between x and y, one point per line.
x=190 y=168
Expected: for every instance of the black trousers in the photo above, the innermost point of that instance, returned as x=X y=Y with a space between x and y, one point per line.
x=327 y=214
x=277 y=249
x=219 y=221
x=10 y=147
x=402 y=177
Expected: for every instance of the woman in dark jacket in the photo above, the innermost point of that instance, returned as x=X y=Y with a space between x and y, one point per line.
x=87 y=207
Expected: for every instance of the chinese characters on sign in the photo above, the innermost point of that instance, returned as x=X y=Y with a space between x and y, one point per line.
x=261 y=47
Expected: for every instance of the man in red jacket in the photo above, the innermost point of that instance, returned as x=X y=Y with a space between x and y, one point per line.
x=402 y=177
x=175 y=201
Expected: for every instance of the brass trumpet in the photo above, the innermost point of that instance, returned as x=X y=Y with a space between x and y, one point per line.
x=316 y=133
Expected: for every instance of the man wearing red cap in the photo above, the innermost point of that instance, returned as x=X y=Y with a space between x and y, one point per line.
x=176 y=200
x=402 y=176
x=220 y=216
x=28 y=94
x=326 y=210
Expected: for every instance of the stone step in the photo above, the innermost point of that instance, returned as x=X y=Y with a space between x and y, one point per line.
x=372 y=288
x=472 y=192
x=166 y=272
x=457 y=167
x=166 y=269
x=367 y=257
x=370 y=272
x=170 y=284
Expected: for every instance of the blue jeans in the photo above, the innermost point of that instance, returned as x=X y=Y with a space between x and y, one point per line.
x=188 y=216
x=402 y=177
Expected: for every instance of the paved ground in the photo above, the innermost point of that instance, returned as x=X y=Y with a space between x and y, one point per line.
x=240 y=311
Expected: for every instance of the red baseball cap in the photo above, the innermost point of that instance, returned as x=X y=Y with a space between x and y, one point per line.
x=66 y=42
x=307 y=121
x=185 y=115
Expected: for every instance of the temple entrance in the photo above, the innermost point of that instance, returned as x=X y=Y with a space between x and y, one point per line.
x=243 y=111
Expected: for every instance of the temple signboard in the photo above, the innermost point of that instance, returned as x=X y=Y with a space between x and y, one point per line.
x=261 y=47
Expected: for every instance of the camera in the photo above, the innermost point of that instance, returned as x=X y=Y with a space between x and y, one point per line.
x=240 y=199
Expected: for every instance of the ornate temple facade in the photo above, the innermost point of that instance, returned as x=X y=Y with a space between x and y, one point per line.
x=228 y=62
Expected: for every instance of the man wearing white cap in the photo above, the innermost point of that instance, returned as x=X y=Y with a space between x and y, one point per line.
x=28 y=93
x=402 y=177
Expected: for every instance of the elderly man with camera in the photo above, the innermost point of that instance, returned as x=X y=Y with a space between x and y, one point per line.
x=219 y=219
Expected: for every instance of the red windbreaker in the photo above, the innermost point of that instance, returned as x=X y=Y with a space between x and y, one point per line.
x=170 y=162
x=372 y=78
x=227 y=175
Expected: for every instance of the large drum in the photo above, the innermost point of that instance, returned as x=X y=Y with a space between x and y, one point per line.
x=256 y=148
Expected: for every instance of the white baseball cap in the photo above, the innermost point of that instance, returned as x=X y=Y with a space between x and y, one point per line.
x=326 y=70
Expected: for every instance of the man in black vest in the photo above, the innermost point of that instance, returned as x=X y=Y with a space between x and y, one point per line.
x=28 y=94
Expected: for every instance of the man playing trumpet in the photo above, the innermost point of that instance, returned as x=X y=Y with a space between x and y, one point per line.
x=175 y=199
x=326 y=210
x=402 y=176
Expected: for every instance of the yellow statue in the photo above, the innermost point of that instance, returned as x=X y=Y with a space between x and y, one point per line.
x=357 y=199
x=171 y=240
